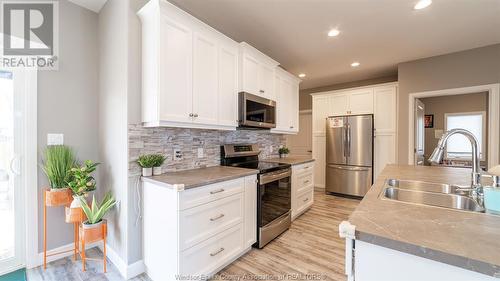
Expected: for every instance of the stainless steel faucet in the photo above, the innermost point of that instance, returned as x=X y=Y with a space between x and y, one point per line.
x=437 y=156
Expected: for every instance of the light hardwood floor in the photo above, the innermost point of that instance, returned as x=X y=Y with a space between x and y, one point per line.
x=311 y=246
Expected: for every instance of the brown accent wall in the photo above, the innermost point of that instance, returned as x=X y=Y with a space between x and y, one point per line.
x=439 y=106
x=473 y=67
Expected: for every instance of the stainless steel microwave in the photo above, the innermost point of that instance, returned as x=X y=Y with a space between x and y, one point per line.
x=256 y=112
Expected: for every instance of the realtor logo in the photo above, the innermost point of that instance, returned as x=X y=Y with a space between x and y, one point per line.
x=30 y=33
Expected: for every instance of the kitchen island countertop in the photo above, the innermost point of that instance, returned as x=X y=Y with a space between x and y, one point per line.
x=465 y=239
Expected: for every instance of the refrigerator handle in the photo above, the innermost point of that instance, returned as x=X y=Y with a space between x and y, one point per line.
x=344 y=141
x=348 y=140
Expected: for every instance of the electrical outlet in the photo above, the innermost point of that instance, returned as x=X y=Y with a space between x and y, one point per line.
x=55 y=139
x=200 y=152
x=177 y=154
x=270 y=149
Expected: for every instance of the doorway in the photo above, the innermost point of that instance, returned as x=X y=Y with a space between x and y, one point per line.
x=17 y=164
x=301 y=143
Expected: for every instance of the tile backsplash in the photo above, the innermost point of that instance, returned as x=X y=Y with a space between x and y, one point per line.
x=165 y=140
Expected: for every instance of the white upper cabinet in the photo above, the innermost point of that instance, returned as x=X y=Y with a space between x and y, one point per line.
x=361 y=101
x=257 y=72
x=385 y=109
x=321 y=110
x=190 y=71
x=176 y=81
x=286 y=87
x=339 y=105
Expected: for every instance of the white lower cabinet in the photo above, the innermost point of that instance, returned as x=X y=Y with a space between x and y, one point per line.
x=191 y=234
x=302 y=188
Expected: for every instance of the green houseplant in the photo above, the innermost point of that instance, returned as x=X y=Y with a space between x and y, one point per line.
x=56 y=164
x=82 y=181
x=96 y=211
x=283 y=151
x=147 y=162
x=158 y=159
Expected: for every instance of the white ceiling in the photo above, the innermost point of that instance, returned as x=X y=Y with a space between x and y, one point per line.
x=378 y=33
x=93 y=5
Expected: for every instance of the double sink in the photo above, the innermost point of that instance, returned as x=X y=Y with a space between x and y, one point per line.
x=431 y=194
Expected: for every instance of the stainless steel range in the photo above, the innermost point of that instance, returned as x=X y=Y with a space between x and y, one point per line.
x=274 y=189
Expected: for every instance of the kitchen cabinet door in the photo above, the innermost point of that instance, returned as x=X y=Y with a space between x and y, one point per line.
x=250 y=75
x=228 y=85
x=176 y=71
x=385 y=152
x=361 y=101
x=384 y=107
x=266 y=82
x=205 y=79
x=250 y=211
x=320 y=111
x=339 y=105
x=319 y=154
x=294 y=107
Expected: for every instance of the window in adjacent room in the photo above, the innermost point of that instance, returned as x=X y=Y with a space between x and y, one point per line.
x=458 y=146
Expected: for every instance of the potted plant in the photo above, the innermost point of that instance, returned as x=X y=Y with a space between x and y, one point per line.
x=92 y=227
x=58 y=161
x=158 y=159
x=82 y=182
x=283 y=151
x=147 y=162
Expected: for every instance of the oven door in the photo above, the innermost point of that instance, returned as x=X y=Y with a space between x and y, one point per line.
x=274 y=196
x=255 y=111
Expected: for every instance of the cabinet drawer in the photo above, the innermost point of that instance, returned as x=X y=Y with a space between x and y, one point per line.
x=209 y=255
x=304 y=182
x=204 y=221
x=304 y=201
x=201 y=195
x=304 y=168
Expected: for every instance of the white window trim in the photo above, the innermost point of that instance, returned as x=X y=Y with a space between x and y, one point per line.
x=483 y=138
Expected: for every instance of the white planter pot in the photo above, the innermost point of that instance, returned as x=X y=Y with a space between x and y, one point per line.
x=88 y=226
x=76 y=203
x=283 y=155
x=156 y=171
x=147 y=172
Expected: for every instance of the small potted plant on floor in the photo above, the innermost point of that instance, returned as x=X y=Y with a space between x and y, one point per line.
x=283 y=151
x=147 y=162
x=159 y=159
x=82 y=182
x=57 y=163
x=92 y=229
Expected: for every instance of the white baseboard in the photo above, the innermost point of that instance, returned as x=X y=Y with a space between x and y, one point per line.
x=67 y=247
x=126 y=271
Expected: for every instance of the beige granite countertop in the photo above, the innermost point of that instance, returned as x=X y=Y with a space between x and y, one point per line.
x=199 y=177
x=292 y=160
x=465 y=239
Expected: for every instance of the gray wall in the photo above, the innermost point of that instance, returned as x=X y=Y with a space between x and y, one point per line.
x=439 y=106
x=113 y=86
x=462 y=69
x=305 y=99
x=67 y=104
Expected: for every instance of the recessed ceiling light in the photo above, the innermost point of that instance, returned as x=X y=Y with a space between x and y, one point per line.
x=302 y=75
x=422 y=4
x=355 y=64
x=333 y=32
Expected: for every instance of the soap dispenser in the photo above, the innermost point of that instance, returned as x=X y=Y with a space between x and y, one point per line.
x=492 y=193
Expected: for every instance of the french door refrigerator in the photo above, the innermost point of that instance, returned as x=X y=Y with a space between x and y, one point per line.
x=349 y=154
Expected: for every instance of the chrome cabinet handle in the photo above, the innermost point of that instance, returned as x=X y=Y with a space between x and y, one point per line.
x=307 y=199
x=217 y=191
x=191 y=114
x=217 y=217
x=291 y=127
x=306 y=182
x=195 y=115
x=216 y=252
x=261 y=91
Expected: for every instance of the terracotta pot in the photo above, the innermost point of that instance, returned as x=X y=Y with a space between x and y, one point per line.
x=156 y=171
x=58 y=196
x=74 y=215
x=93 y=232
x=147 y=172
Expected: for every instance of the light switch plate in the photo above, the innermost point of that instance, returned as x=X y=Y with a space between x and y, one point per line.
x=55 y=139
x=177 y=154
x=200 y=152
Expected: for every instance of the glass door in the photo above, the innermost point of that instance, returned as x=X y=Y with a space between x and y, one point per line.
x=11 y=185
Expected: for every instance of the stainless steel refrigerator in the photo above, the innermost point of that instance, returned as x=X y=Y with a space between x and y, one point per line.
x=349 y=154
